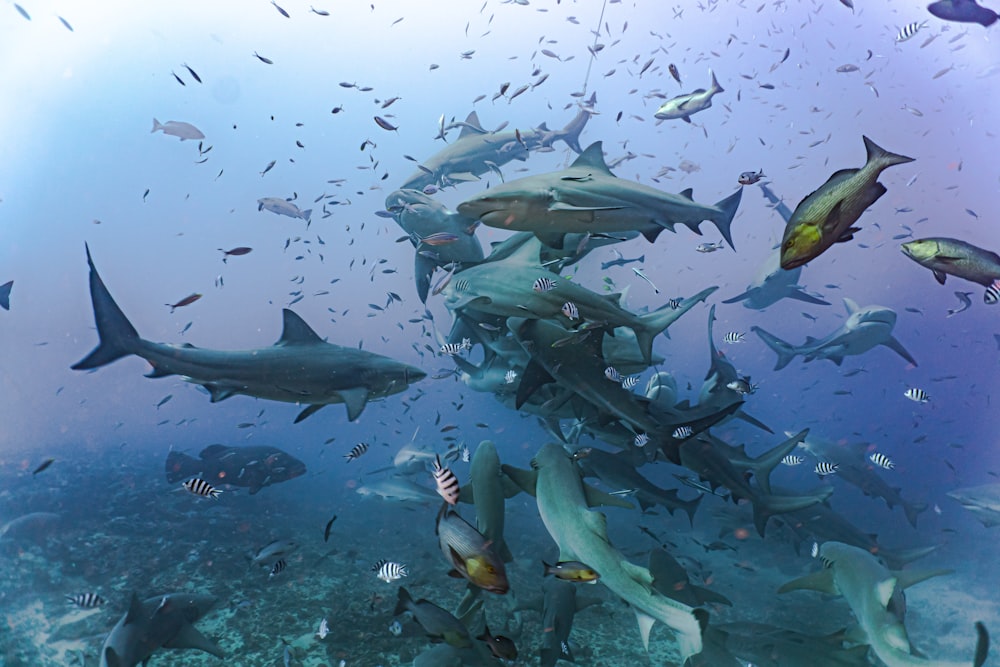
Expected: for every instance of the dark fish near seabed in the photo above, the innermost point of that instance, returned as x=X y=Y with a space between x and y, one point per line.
x=500 y=646
x=436 y=622
x=43 y=466
x=469 y=552
x=186 y=301
x=252 y=467
x=276 y=550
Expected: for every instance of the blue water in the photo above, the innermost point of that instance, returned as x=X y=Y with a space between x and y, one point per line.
x=79 y=158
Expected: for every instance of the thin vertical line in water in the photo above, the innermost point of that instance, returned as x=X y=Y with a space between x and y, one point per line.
x=593 y=53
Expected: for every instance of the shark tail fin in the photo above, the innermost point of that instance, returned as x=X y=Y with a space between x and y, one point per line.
x=691 y=506
x=913 y=511
x=655 y=323
x=180 y=466
x=118 y=338
x=785 y=351
x=982 y=645
x=724 y=219
x=571 y=133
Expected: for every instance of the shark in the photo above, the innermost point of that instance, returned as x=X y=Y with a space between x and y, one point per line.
x=684 y=105
x=163 y=621
x=563 y=504
x=854 y=467
x=773 y=283
x=617 y=473
x=422 y=217
x=399 y=489
x=983 y=501
x=507 y=288
x=587 y=197
x=300 y=368
x=771 y=646
x=478 y=151
x=874 y=593
x=671 y=579
x=864 y=329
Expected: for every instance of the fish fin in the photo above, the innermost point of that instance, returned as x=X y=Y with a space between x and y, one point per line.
x=462 y=176
x=5 y=294
x=563 y=206
x=799 y=294
x=189 y=637
x=851 y=306
x=534 y=376
x=295 y=331
x=157 y=372
x=525 y=479
x=134 y=610
x=117 y=337
x=821 y=581
x=898 y=348
x=686 y=119
x=551 y=239
x=423 y=268
x=180 y=466
x=785 y=351
x=598 y=498
x=940 y=276
x=906 y=578
x=848 y=235
x=884 y=590
x=217 y=392
x=723 y=220
x=472 y=126
x=157 y=125
x=880 y=157
x=651 y=232
x=832 y=220
x=739 y=297
x=645 y=625
x=687 y=193
x=355 y=399
x=592 y=158
x=111 y=658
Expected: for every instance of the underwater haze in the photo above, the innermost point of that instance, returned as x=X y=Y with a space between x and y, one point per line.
x=590 y=262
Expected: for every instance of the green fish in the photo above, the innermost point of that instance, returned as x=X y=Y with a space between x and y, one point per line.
x=826 y=216
x=945 y=256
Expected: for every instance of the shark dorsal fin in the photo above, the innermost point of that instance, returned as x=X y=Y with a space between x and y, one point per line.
x=544 y=127
x=295 y=331
x=851 y=305
x=592 y=158
x=687 y=193
x=476 y=127
x=134 y=610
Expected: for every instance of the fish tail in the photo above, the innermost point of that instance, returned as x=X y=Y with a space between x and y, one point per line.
x=156 y=126
x=785 y=351
x=655 y=323
x=690 y=507
x=571 y=133
x=118 y=338
x=403 y=602
x=180 y=466
x=727 y=211
x=715 y=83
x=880 y=158
x=307 y=214
x=913 y=511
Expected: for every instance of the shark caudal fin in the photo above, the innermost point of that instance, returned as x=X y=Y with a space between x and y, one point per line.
x=785 y=351
x=655 y=323
x=571 y=133
x=118 y=338
x=724 y=219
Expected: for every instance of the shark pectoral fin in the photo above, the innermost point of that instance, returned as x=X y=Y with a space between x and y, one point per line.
x=597 y=498
x=534 y=376
x=821 y=581
x=645 y=625
x=739 y=297
x=463 y=176
x=940 y=276
x=907 y=578
x=525 y=479
x=799 y=294
x=551 y=239
x=217 y=392
x=423 y=268
x=651 y=232
x=510 y=489
x=898 y=348
x=832 y=221
x=189 y=637
x=884 y=590
x=355 y=399
x=311 y=409
x=686 y=119
x=157 y=372
x=467 y=494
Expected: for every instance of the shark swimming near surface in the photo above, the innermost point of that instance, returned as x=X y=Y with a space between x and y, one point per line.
x=300 y=368
x=864 y=329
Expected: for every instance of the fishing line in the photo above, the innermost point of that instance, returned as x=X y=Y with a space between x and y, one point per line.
x=593 y=52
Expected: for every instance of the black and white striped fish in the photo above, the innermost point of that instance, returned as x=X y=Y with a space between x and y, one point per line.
x=510 y=376
x=356 y=451
x=909 y=30
x=455 y=348
x=792 y=460
x=992 y=295
x=388 y=571
x=570 y=310
x=464 y=455
x=641 y=440
x=200 y=487
x=917 y=395
x=86 y=600
x=447 y=483
x=674 y=304
x=682 y=432
x=630 y=381
x=882 y=461
x=733 y=337
x=824 y=468
x=278 y=568
x=544 y=284
x=612 y=374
